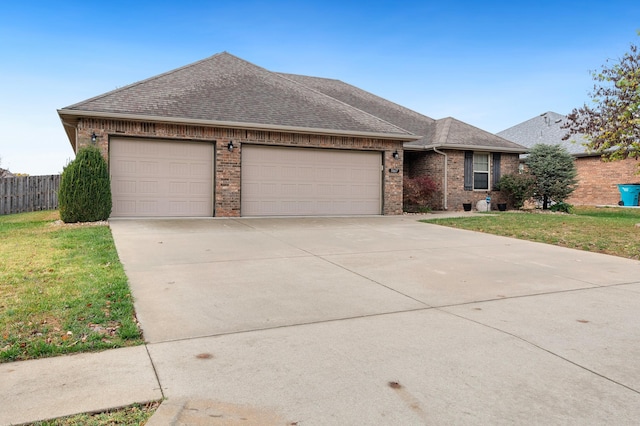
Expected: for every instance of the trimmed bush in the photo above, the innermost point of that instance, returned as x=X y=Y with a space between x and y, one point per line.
x=518 y=188
x=85 y=188
x=562 y=207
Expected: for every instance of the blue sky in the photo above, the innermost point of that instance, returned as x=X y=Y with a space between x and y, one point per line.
x=492 y=64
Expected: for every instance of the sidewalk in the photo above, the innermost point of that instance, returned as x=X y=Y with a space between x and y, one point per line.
x=55 y=387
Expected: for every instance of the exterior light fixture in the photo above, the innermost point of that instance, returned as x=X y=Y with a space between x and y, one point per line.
x=395 y=154
x=93 y=137
x=230 y=146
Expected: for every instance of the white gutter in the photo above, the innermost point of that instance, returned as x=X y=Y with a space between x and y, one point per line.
x=444 y=185
x=468 y=148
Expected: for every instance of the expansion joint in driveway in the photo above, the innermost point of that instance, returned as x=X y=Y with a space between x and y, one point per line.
x=155 y=370
x=373 y=281
x=535 y=345
x=285 y=326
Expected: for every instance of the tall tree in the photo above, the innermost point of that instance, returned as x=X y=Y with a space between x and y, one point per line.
x=554 y=171
x=612 y=124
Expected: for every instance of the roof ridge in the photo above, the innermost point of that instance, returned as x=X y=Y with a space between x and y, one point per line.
x=309 y=76
x=338 y=100
x=445 y=130
x=155 y=77
x=365 y=91
x=532 y=119
x=478 y=128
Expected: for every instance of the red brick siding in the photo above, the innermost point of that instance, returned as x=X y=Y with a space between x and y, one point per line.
x=227 y=164
x=597 y=180
x=431 y=164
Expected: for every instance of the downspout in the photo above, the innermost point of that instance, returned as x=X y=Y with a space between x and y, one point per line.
x=444 y=186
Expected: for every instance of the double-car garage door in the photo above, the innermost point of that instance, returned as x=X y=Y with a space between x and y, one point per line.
x=176 y=178
x=309 y=182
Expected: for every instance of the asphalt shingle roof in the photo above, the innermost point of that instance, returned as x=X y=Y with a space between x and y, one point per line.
x=224 y=88
x=545 y=128
x=447 y=132
x=405 y=118
x=454 y=133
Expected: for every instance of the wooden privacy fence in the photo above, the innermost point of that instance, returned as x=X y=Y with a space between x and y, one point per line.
x=28 y=193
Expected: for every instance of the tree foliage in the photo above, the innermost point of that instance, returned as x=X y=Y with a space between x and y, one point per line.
x=554 y=171
x=418 y=192
x=612 y=124
x=518 y=187
x=4 y=172
x=85 y=188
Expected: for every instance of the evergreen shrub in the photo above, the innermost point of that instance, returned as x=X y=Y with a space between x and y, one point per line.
x=85 y=188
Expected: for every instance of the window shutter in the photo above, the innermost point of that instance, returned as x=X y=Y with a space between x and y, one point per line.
x=468 y=170
x=496 y=170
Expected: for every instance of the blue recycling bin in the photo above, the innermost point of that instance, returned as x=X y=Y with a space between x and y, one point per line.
x=629 y=193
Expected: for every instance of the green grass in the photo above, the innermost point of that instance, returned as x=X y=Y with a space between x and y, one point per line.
x=603 y=230
x=62 y=289
x=136 y=414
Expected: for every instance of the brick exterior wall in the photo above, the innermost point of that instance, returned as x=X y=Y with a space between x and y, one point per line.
x=431 y=164
x=427 y=164
x=597 y=180
x=228 y=164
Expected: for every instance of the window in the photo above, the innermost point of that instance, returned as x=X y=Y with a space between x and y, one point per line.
x=476 y=171
x=480 y=171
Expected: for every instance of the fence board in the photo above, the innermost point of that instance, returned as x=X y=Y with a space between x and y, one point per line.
x=28 y=193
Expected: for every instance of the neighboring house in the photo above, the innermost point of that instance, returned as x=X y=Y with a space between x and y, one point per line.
x=223 y=137
x=597 y=179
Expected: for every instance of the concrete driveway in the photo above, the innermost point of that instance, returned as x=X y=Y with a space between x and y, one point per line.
x=380 y=320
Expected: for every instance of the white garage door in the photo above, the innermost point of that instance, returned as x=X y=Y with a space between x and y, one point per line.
x=161 y=178
x=280 y=181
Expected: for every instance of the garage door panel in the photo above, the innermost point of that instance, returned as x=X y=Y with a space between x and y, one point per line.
x=198 y=188
x=147 y=207
x=178 y=188
x=299 y=181
x=122 y=186
x=147 y=168
x=200 y=170
x=161 y=178
x=179 y=169
x=124 y=208
x=147 y=187
x=287 y=172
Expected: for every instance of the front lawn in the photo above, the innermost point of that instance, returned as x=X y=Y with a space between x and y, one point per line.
x=62 y=289
x=604 y=230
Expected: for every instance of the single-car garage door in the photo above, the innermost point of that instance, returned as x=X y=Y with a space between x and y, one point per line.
x=161 y=178
x=279 y=181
